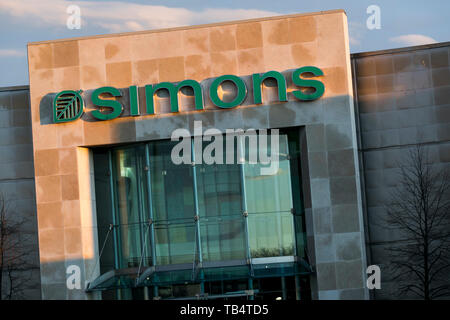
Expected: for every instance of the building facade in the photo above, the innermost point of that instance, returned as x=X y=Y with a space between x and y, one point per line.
x=403 y=99
x=114 y=208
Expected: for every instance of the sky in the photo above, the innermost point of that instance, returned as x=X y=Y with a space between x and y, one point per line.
x=401 y=23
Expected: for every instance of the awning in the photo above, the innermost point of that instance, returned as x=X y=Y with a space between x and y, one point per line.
x=114 y=279
x=205 y=271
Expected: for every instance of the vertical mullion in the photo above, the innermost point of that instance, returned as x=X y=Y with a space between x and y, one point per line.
x=297 y=288
x=166 y=207
x=241 y=146
x=150 y=204
x=139 y=190
x=150 y=208
x=113 y=212
x=197 y=215
x=218 y=209
x=290 y=158
x=116 y=228
x=292 y=200
x=250 y=288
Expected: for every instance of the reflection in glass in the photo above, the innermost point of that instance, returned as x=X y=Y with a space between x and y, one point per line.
x=269 y=200
x=173 y=206
x=130 y=190
x=220 y=209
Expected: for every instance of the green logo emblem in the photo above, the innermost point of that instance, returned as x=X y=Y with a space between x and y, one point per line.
x=67 y=106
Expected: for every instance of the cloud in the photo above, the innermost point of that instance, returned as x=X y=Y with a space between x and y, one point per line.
x=356 y=32
x=412 y=39
x=11 y=53
x=118 y=16
x=353 y=41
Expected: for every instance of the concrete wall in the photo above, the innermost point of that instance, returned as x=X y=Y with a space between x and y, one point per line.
x=17 y=183
x=403 y=98
x=63 y=166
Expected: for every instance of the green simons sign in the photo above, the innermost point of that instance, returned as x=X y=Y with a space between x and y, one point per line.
x=68 y=104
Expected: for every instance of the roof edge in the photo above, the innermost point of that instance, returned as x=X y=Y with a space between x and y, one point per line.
x=15 y=88
x=400 y=50
x=109 y=35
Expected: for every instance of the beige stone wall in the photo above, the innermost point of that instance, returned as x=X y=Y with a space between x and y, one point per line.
x=65 y=201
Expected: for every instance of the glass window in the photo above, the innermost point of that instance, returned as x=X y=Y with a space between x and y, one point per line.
x=173 y=206
x=167 y=214
x=222 y=227
x=131 y=211
x=269 y=201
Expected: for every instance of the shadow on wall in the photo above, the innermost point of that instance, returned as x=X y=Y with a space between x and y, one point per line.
x=60 y=279
x=403 y=99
